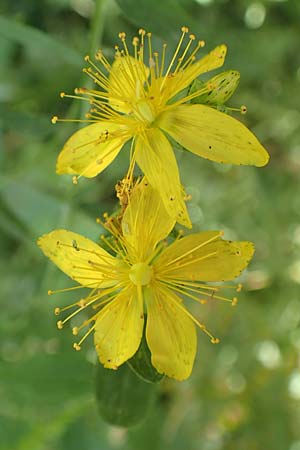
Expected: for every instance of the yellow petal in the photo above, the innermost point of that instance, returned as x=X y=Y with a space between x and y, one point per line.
x=213 y=135
x=170 y=334
x=119 y=329
x=145 y=221
x=184 y=78
x=155 y=157
x=79 y=257
x=204 y=257
x=126 y=81
x=91 y=149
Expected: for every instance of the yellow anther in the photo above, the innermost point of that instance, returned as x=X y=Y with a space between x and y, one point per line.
x=192 y=37
x=50 y=292
x=99 y=55
x=87 y=58
x=234 y=301
x=239 y=287
x=202 y=301
x=75 y=331
x=76 y=347
x=57 y=311
x=243 y=109
x=142 y=32
x=105 y=215
x=215 y=340
x=81 y=303
x=62 y=94
x=122 y=35
x=75 y=179
x=60 y=325
x=135 y=41
x=188 y=197
x=54 y=119
x=201 y=43
x=149 y=34
x=184 y=29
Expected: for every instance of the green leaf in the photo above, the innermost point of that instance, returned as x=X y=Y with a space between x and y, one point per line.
x=219 y=88
x=45 y=46
x=40 y=212
x=161 y=18
x=45 y=433
x=142 y=366
x=123 y=399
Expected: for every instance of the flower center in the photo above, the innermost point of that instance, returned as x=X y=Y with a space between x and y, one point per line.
x=140 y=274
x=144 y=112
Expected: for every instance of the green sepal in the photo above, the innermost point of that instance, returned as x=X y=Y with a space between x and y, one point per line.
x=142 y=366
x=219 y=88
x=123 y=399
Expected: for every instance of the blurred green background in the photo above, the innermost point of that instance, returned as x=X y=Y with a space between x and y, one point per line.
x=244 y=393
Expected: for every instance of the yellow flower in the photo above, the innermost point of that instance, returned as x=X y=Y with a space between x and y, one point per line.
x=147 y=281
x=148 y=104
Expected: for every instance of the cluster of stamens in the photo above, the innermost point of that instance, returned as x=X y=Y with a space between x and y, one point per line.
x=101 y=99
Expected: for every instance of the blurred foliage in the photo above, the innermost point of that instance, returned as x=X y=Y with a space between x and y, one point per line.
x=244 y=393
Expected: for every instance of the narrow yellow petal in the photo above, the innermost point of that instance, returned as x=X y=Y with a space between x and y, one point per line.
x=213 y=135
x=155 y=157
x=91 y=149
x=119 y=329
x=127 y=78
x=145 y=221
x=170 y=334
x=204 y=256
x=78 y=257
x=184 y=78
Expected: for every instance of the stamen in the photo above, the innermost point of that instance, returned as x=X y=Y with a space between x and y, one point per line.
x=163 y=59
x=55 y=119
x=202 y=327
x=72 y=288
x=86 y=335
x=150 y=46
x=181 y=58
x=184 y=255
x=184 y=31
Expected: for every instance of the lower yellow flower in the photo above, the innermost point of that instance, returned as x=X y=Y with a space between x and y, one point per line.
x=145 y=281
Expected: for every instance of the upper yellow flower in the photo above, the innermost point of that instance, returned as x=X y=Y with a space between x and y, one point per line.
x=148 y=104
x=145 y=281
